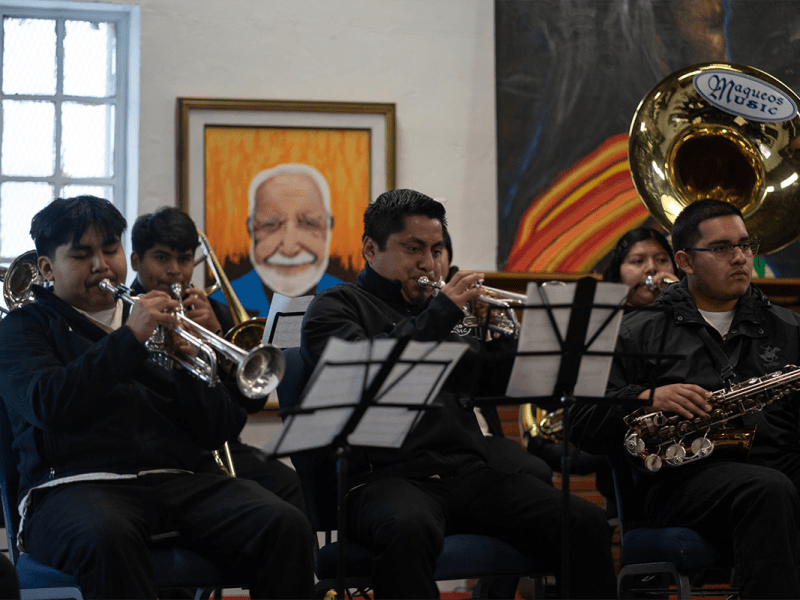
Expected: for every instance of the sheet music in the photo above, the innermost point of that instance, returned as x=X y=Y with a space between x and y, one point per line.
x=314 y=430
x=536 y=375
x=388 y=426
x=335 y=383
x=287 y=330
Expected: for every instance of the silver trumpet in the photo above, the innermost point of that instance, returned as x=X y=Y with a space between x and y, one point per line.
x=258 y=371
x=651 y=284
x=506 y=323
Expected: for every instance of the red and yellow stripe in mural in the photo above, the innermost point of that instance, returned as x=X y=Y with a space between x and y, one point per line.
x=580 y=217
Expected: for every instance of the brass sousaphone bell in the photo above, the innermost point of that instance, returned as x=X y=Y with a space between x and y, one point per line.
x=723 y=131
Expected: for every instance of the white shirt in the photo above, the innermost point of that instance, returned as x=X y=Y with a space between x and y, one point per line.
x=721 y=321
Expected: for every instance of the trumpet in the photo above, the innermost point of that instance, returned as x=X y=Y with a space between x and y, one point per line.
x=258 y=371
x=651 y=284
x=505 y=324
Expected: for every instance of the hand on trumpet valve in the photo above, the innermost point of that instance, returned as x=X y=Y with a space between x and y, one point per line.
x=198 y=308
x=151 y=310
x=463 y=288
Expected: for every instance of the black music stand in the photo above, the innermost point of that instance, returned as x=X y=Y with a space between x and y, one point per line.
x=343 y=420
x=571 y=349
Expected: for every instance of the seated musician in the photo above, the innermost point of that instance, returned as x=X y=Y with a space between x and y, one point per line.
x=109 y=441
x=164 y=245
x=728 y=331
x=402 y=504
x=642 y=259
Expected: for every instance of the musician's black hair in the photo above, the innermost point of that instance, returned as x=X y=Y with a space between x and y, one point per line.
x=167 y=225
x=65 y=220
x=623 y=247
x=387 y=214
x=686 y=230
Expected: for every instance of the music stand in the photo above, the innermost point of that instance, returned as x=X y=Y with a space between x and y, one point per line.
x=572 y=373
x=285 y=320
x=366 y=394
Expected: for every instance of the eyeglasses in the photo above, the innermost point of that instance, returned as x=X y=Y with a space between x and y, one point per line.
x=312 y=223
x=725 y=252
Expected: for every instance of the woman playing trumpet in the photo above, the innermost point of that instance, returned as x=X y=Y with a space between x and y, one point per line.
x=642 y=259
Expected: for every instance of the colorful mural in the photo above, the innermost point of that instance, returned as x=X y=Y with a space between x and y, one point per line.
x=570 y=74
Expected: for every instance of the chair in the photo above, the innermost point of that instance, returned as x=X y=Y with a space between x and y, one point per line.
x=175 y=567
x=464 y=556
x=652 y=556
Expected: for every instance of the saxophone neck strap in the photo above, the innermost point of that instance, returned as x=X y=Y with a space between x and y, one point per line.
x=723 y=363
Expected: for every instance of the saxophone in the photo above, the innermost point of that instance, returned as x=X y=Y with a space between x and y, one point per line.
x=655 y=439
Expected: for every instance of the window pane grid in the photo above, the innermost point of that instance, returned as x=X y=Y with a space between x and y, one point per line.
x=85 y=128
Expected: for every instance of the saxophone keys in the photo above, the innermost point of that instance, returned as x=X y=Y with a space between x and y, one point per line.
x=702 y=447
x=675 y=454
x=653 y=463
x=634 y=445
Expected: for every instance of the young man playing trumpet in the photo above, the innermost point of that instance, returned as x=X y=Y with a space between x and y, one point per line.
x=728 y=332
x=164 y=246
x=402 y=504
x=110 y=443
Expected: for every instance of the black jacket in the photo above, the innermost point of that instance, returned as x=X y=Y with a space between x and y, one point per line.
x=81 y=400
x=444 y=440
x=762 y=339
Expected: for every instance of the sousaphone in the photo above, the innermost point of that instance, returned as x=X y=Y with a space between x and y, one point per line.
x=723 y=131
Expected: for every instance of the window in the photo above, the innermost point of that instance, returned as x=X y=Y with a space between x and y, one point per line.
x=68 y=109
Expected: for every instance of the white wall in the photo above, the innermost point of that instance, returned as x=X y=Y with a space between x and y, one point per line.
x=433 y=58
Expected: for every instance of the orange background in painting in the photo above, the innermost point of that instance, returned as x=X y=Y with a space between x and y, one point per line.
x=235 y=154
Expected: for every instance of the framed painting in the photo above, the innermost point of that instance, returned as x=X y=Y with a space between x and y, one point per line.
x=280 y=188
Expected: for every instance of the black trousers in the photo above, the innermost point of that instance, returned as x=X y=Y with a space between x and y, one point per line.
x=98 y=531
x=404 y=522
x=753 y=506
x=270 y=473
x=508 y=456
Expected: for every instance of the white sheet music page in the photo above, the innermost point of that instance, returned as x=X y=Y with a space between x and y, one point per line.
x=536 y=375
x=288 y=327
x=334 y=383
x=336 y=387
x=411 y=384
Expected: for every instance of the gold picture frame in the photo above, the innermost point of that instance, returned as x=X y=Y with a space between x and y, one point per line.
x=222 y=143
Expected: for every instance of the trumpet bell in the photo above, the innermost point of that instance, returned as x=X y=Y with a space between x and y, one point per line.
x=722 y=131
x=261 y=371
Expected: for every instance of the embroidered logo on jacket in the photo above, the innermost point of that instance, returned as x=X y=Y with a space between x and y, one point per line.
x=461 y=330
x=770 y=355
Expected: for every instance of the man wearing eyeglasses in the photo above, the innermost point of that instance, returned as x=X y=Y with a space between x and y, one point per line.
x=727 y=332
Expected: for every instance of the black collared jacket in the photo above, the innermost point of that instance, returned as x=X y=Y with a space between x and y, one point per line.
x=445 y=440
x=763 y=338
x=81 y=400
